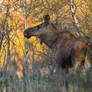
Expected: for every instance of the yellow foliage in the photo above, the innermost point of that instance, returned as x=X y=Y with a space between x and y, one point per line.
x=16 y=22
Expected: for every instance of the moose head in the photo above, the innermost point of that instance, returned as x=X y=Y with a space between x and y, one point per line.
x=45 y=31
x=37 y=30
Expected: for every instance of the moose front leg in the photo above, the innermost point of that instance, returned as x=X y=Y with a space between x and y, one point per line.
x=57 y=59
x=56 y=68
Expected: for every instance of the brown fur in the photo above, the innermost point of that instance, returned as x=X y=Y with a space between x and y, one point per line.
x=68 y=50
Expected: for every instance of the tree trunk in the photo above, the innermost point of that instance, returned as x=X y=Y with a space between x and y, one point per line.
x=8 y=49
x=26 y=50
x=75 y=20
x=1 y=38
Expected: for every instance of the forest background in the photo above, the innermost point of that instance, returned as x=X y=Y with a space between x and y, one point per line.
x=24 y=64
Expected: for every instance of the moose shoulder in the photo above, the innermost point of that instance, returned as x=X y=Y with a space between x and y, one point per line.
x=68 y=50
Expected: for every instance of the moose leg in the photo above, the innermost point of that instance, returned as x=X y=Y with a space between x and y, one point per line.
x=85 y=64
x=76 y=61
x=80 y=62
x=78 y=57
x=56 y=68
x=76 y=65
x=57 y=65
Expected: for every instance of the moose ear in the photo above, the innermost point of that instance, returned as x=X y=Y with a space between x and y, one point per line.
x=46 y=18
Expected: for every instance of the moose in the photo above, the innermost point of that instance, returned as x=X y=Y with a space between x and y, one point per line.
x=68 y=50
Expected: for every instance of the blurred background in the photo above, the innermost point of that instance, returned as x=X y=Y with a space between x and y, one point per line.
x=25 y=65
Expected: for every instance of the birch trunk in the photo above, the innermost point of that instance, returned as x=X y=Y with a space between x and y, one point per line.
x=4 y=23
x=75 y=20
x=1 y=38
x=26 y=50
x=8 y=49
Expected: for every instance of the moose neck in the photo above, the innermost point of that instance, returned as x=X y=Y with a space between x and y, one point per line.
x=49 y=42
x=50 y=36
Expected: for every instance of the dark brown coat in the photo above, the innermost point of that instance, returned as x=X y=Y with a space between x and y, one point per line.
x=69 y=51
